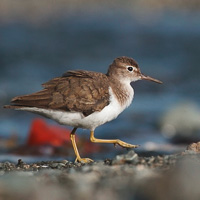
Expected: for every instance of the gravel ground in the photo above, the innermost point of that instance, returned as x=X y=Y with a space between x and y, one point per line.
x=127 y=176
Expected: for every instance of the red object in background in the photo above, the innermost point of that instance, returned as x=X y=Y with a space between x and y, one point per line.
x=42 y=133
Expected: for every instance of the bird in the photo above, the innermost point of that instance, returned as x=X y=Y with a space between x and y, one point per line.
x=86 y=99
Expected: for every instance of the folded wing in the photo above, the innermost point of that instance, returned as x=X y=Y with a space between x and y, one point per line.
x=78 y=91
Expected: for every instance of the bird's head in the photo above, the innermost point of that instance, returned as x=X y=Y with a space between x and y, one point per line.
x=125 y=68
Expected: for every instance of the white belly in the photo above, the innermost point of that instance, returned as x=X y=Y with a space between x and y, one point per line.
x=77 y=119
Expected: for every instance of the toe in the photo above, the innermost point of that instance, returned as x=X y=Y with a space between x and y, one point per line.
x=127 y=145
x=84 y=160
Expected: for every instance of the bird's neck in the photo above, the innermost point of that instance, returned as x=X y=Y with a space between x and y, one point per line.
x=122 y=91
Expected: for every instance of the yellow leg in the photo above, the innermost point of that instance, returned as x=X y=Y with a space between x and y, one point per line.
x=78 y=158
x=115 y=141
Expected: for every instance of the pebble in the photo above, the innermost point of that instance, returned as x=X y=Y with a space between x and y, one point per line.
x=130 y=157
x=195 y=147
x=125 y=177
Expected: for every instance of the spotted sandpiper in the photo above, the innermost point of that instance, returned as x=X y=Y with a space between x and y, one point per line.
x=86 y=99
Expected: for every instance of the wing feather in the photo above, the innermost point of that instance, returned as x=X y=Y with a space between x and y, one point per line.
x=78 y=91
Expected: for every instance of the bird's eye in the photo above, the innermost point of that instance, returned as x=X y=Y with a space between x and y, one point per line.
x=130 y=69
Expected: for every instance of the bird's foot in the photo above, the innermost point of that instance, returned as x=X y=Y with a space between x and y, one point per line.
x=125 y=145
x=84 y=160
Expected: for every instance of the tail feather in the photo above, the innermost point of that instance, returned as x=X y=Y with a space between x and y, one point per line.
x=39 y=99
x=44 y=94
x=12 y=107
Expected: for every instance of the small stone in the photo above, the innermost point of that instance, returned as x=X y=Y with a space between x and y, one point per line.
x=44 y=166
x=79 y=164
x=26 y=166
x=194 y=147
x=54 y=165
x=130 y=157
x=108 y=162
x=151 y=160
x=61 y=165
x=65 y=162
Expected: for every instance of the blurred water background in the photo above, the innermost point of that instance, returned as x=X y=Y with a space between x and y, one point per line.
x=42 y=39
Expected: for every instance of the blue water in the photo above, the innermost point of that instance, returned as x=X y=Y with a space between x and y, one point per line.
x=166 y=48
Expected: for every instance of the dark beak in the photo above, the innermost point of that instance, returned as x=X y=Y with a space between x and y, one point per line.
x=143 y=77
